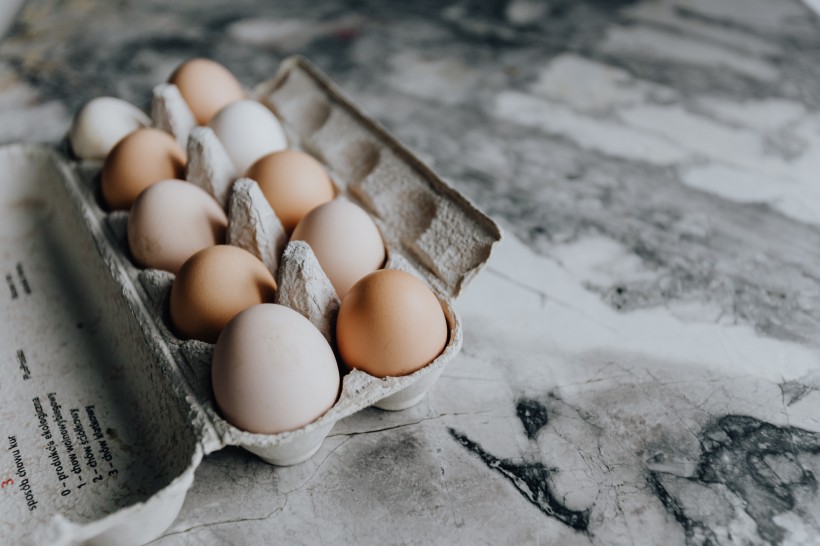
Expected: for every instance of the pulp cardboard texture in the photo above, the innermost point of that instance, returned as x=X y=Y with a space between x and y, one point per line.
x=105 y=413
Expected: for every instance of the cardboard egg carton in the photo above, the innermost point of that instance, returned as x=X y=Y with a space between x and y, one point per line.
x=124 y=409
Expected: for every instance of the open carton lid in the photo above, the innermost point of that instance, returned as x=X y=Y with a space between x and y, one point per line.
x=436 y=229
x=98 y=444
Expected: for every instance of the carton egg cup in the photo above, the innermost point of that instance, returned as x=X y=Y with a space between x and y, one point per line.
x=152 y=389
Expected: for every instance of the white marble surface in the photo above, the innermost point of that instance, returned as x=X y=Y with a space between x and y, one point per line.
x=641 y=363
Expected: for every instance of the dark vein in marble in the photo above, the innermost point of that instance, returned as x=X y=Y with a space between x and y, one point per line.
x=696 y=532
x=532 y=481
x=771 y=470
x=533 y=416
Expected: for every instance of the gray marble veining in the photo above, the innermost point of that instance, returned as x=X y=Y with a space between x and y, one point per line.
x=641 y=363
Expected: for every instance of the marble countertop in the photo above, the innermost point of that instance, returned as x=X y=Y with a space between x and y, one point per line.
x=641 y=362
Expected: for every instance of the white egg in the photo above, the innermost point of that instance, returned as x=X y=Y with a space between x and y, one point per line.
x=273 y=371
x=101 y=124
x=248 y=131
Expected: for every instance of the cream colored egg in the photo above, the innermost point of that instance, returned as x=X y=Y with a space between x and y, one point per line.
x=101 y=124
x=248 y=131
x=273 y=371
x=171 y=221
x=345 y=240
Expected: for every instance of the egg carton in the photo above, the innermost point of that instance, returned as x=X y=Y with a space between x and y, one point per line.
x=107 y=412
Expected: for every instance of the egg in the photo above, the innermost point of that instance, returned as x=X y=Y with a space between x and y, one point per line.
x=248 y=131
x=294 y=183
x=207 y=87
x=344 y=239
x=390 y=324
x=171 y=221
x=213 y=286
x=101 y=124
x=273 y=371
x=139 y=160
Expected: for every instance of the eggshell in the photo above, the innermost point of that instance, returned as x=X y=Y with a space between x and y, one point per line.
x=248 y=131
x=213 y=286
x=101 y=124
x=390 y=324
x=273 y=371
x=293 y=182
x=207 y=87
x=139 y=160
x=344 y=239
x=170 y=222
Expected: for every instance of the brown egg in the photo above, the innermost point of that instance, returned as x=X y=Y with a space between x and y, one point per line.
x=213 y=286
x=139 y=160
x=207 y=87
x=293 y=182
x=390 y=324
x=171 y=221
